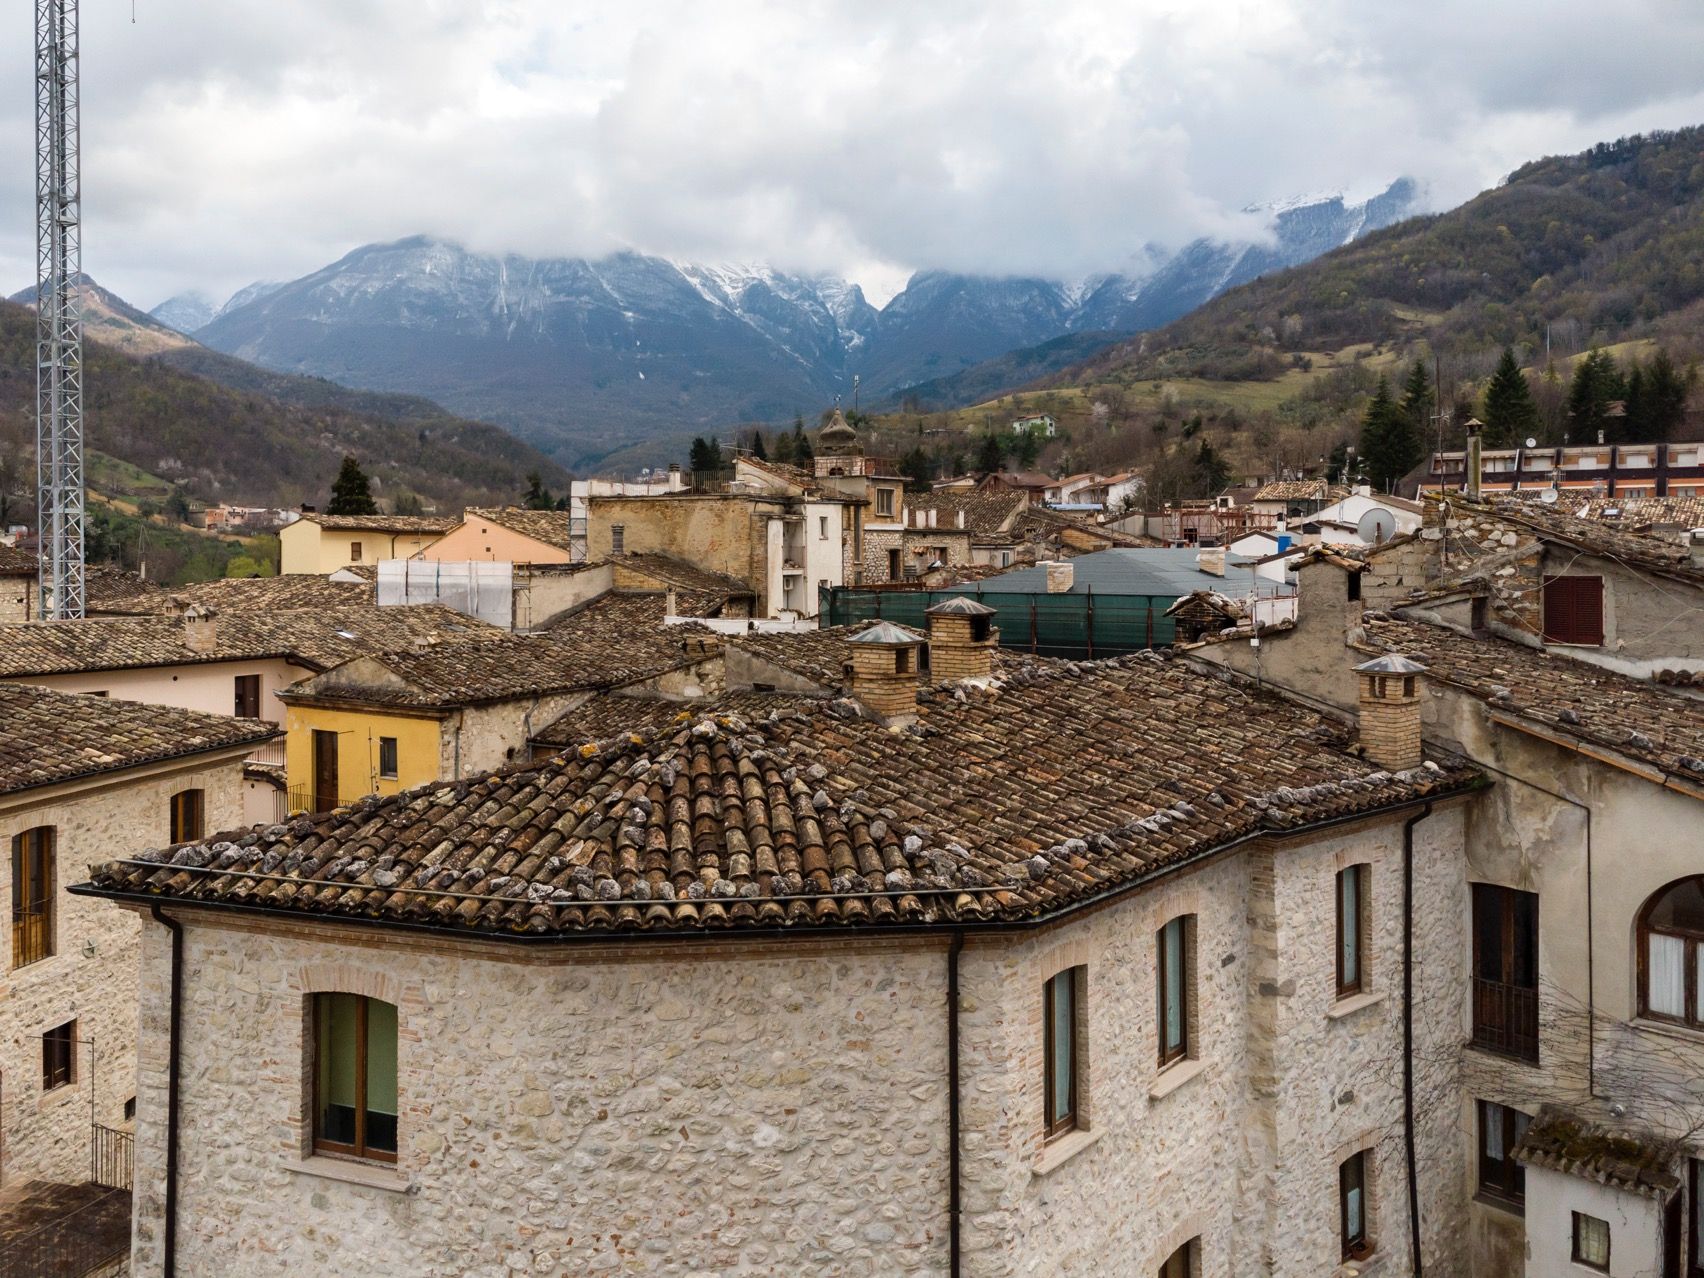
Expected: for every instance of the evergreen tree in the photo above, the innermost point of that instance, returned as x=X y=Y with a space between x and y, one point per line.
x=1511 y=413
x=1634 y=423
x=757 y=449
x=1337 y=465
x=916 y=469
x=1029 y=448
x=784 y=447
x=408 y=504
x=1666 y=391
x=1416 y=404
x=177 y=506
x=351 y=494
x=990 y=457
x=1389 y=445
x=537 y=495
x=804 y=456
x=698 y=457
x=1215 y=471
x=1597 y=383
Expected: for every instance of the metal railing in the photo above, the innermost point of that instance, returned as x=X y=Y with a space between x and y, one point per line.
x=304 y=798
x=268 y=753
x=32 y=937
x=112 y=1157
x=1505 y=1019
x=81 y=1242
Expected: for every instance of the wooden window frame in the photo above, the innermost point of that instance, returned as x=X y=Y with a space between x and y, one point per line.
x=246 y=694
x=35 y=855
x=618 y=539
x=1694 y=1266
x=1568 y=599
x=1067 y=1122
x=1181 y=1263
x=354 y=552
x=1501 y=1179
x=1180 y=1051
x=54 y=1073
x=395 y=762
x=1608 y=1239
x=884 y=501
x=359 y=1148
x=1354 y=1246
x=1349 y=985
x=1692 y=1011
x=188 y=816
x=1508 y=902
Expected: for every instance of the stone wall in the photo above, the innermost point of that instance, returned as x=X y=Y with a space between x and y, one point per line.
x=877 y=543
x=91 y=976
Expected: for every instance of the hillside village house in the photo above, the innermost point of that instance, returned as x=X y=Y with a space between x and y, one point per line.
x=1093 y=966
x=78 y=777
x=217 y=663
x=386 y=722
x=318 y=543
x=1038 y=424
x=1579 y=1095
x=511 y=534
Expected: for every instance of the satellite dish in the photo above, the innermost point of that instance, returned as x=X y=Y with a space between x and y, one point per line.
x=1376 y=526
x=1549 y=496
x=1531 y=442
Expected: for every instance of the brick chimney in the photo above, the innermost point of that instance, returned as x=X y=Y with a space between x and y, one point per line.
x=962 y=639
x=200 y=628
x=884 y=666
x=1390 y=712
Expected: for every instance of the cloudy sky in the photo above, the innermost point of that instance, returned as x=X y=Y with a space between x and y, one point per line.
x=240 y=140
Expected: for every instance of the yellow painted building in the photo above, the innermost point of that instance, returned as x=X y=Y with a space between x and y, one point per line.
x=322 y=544
x=335 y=754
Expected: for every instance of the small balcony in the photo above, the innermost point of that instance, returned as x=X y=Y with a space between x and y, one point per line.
x=1505 y=1019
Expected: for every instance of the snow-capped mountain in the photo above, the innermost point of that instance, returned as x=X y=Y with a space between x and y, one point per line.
x=583 y=356
x=186 y=312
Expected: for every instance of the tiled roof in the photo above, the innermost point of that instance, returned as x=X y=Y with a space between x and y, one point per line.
x=1039 y=522
x=1293 y=490
x=48 y=737
x=551 y=527
x=1562 y=1143
x=1629 y=513
x=613 y=616
x=669 y=571
x=1569 y=698
x=794 y=475
x=1595 y=536
x=480 y=671
x=1009 y=803
x=818 y=655
x=611 y=713
x=986 y=514
x=319 y=637
x=283 y=593
x=399 y=524
x=16 y=563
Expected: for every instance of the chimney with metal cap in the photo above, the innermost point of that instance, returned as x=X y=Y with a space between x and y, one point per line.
x=1473 y=427
x=883 y=669
x=962 y=639
x=1390 y=712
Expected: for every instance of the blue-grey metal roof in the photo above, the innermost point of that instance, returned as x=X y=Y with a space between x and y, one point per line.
x=1144 y=570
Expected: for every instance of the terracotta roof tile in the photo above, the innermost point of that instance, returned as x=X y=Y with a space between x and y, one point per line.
x=1001 y=804
x=666 y=570
x=49 y=737
x=1595 y=536
x=612 y=714
x=1560 y=1142
x=398 y=524
x=551 y=527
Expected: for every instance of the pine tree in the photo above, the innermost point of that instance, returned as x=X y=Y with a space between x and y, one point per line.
x=1666 y=392
x=1389 y=445
x=1029 y=448
x=1417 y=399
x=916 y=469
x=990 y=457
x=1511 y=413
x=537 y=495
x=1215 y=471
x=1634 y=423
x=1597 y=383
x=804 y=456
x=698 y=457
x=783 y=447
x=350 y=492
x=757 y=449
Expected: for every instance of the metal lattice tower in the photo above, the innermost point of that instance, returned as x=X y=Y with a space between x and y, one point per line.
x=59 y=321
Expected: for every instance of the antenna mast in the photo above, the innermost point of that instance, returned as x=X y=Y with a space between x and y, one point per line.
x=59 y=321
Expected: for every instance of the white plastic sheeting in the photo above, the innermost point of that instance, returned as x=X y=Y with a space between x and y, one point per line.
x=485 y=591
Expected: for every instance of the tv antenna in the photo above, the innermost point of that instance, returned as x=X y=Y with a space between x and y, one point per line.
x=59 y=321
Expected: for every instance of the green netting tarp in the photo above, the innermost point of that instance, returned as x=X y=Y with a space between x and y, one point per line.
x=1075 y=625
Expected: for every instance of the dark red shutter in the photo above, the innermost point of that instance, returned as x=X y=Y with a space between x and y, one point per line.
x=1573 y=610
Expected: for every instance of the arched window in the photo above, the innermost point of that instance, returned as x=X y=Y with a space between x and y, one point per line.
x=1671 y=931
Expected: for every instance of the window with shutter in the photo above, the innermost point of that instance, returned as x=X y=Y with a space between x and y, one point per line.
x=1573 y=610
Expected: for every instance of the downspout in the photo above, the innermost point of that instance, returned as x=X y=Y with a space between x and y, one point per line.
x=1408 y=1032
x=953 y=1196
x=168 y=1259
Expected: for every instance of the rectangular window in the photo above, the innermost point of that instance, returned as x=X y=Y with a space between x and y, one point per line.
x=354 y=552
x=1591 y=1242
x=130 y=1110
x=884 y=501
x=32 y=895
x=387 y=757
x=187 y=816
x=1352 y=1206
x=618 y=539
x=1351 y=907
x=1172 y=965
x=1500 y=1130
x=59 y=1056
x=1573 y=610
x=248 y=696
x=355 y=1076
x=1505 y=970
x=822 y=527
x=1059 y=1051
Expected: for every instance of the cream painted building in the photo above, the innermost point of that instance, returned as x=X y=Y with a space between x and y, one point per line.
x=322 y=544
x=79 y=778
x=700 y=999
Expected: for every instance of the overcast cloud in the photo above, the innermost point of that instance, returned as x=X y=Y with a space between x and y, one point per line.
x=236 y=141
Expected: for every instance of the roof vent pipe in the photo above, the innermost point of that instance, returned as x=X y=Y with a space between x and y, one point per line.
x=1473 y=426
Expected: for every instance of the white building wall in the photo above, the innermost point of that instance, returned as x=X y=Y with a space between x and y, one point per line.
x=1635 y=1227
